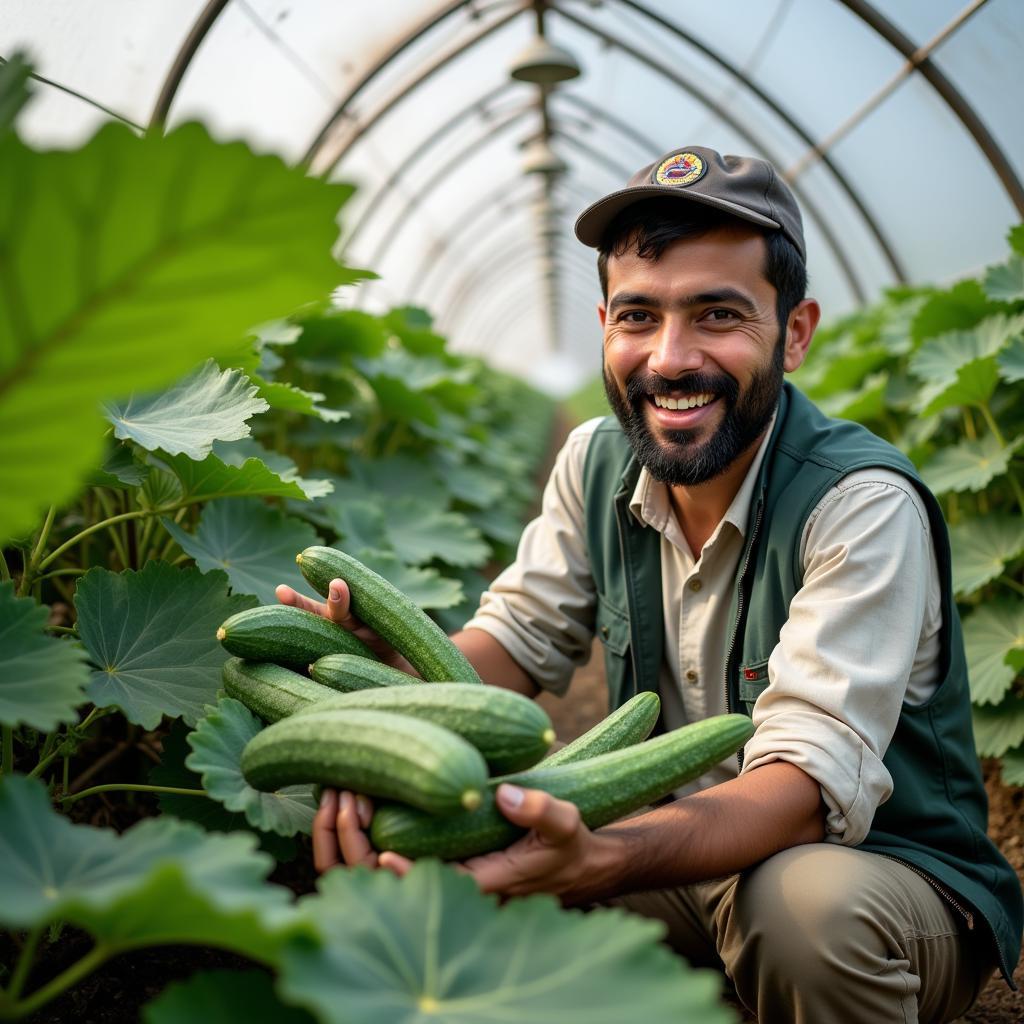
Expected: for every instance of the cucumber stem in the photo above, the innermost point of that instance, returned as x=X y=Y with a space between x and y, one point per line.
x=74 y=974
x=121 y=786
x=471 y=799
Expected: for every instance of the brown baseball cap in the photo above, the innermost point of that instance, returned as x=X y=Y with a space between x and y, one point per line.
x=743 y=186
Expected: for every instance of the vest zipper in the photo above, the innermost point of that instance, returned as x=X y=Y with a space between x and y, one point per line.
x=739 y=614
x=940 y=889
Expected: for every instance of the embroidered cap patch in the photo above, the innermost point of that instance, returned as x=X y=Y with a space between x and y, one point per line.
x=680 y=169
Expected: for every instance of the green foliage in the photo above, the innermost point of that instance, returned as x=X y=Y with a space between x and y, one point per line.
x=227 y=997
x=400 y=951
x=940 y=373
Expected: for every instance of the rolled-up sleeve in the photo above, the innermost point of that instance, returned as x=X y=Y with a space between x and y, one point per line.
x=839 y=673
x=541 y=608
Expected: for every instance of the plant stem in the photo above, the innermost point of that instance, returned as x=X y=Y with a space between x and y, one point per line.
x=113 y=787
x=67 y=772
x=986 y=412
x=44 y=763
x=44 y=535
x=63 y=630
x=5 y=573
x=7 y=761
x=61 y=572
x=115 y=535
x=74 y=974
x=1012 y=583
x=94 y=714
x=103 y=524
x=24 y=965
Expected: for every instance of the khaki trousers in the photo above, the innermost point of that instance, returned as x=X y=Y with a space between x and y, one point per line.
x=824 y=934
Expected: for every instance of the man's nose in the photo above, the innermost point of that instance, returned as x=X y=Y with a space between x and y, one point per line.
x=676 y=351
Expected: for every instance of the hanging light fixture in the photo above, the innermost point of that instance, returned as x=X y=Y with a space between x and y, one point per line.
x=540 y=158
x=543 y=63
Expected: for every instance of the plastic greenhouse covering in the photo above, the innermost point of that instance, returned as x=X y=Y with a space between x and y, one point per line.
x=897 y=124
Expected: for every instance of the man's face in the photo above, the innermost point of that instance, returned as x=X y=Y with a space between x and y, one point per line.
x=693 y=358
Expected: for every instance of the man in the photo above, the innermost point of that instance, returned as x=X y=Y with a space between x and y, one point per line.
x=735 y=550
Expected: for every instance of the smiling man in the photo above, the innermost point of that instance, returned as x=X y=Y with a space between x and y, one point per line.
x=736 y=550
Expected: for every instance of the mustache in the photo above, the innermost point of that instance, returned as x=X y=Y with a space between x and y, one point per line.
x=641 y=386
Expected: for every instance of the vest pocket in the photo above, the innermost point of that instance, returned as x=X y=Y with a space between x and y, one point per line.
x=753 y=679
x=612 y=627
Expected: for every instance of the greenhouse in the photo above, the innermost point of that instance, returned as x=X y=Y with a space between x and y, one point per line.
x=511 y=510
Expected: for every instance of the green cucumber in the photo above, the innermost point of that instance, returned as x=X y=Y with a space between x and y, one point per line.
x=632 y=723
x=348 y=672
x=287 y=635
x=271 y=691
x=378 y=753
x=510 y=730
x=604 y=788
x=385 y=609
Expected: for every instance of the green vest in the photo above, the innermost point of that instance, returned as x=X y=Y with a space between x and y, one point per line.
x=936 y=818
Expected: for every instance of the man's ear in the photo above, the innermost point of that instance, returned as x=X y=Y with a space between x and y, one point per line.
x=803 y=320
x=602 y=313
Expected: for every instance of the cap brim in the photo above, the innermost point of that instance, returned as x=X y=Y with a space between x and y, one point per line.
x=594 y=220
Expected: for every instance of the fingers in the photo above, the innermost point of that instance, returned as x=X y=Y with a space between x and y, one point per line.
x=395 y=863
x=339 y=601
x=325 y=834
x=286 y=595
x=555 y=821
x=355 y=846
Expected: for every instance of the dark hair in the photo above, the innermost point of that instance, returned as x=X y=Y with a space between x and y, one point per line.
x=650 y=226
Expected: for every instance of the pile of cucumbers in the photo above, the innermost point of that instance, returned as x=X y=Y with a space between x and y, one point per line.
x=432 y=750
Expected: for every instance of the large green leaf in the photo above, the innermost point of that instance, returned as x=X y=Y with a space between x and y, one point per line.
x=205 y=812
x=1015 y=238
x=42 y=679
x=959 y=308
x=991 y=633
x=471 y=483
x=213 y=478
x=972 y=384
x=289 y=398
x=206 y=406
x=396 y=476
x=15 y=75
x=420 y=532
x=1013 y=767
x=430 y=946
x=123 y=264
x=1005 y=282
x=1000 y=728
x=981 y=549
x=163 y=881
x=425 y=587
x=152 y=637
x=252 y=542
x=970 y=465
x=236 y=453
x=217 y=745
x=123 y=468
x=359 y=522
x=224 y=997
x=939 y=359
x=341 y=334
x=413 y=327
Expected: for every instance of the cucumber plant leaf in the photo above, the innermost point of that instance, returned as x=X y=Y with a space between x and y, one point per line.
x=227 y=997
x=123 y=468
x=213 y=478
x=289 y=398
x=162 y=881
x=420 y=532
x=340 y=334
x=425 y=587
x=396 y=476
x=205 y=812
x=359 y=522
x=217 y=744
x=1000 y=728
x=981 y=550
x=15 y=75
x=972 y=384
x=121 y=271
x=412 y=326
x=473 y=484
x=992 y=634
x=43 y=679
x=970 y=465
x=939 y=359
x=151 y=636
x=957 y=308
x=1013 y=767
x=1011 y=361
x=250 y=541
x=206 y=406
x=1005 y=282
x=1015 y=238
x=235 y=453
x=432 y=946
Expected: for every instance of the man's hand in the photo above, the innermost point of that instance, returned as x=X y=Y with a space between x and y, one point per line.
x=339 y=835
x=338 y=608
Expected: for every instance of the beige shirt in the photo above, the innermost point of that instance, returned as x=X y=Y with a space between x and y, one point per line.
x=862 y=634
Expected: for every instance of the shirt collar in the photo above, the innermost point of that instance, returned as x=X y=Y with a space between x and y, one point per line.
x=651 y=507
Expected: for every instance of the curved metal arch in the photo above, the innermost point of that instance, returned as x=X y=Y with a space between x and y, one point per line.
x=209 y=14
x=428 y=72
x=729 y=119
x=477 y=106
x=795 y=126
x=952 y=96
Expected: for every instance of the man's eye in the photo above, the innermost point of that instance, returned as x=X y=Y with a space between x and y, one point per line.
x=635 y=316
x=721 y=314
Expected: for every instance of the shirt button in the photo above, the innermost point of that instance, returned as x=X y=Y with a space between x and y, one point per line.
x=604 y=631
x=691 y=676
x=695 y=585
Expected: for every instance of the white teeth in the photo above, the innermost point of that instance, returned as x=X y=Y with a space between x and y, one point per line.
x=682 y=403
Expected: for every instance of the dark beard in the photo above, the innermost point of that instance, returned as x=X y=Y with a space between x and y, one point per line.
x=680 y=460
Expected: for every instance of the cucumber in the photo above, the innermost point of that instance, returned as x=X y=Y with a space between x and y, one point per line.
x=510 y=730
x=348 y=672
x=271 y=691
x=385 y=609
x=378 y=753
x=632 y=723
x=604 y=788
x=287 y=635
